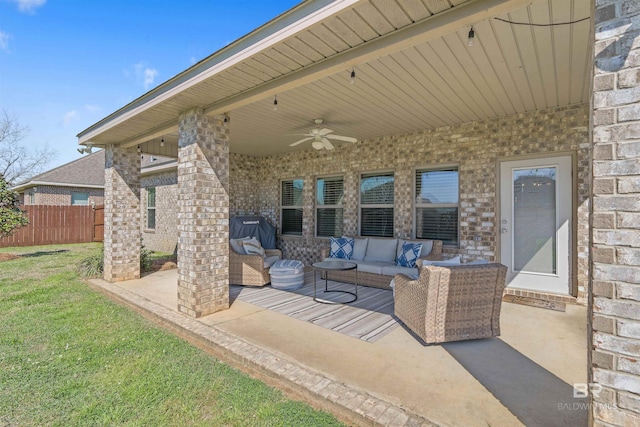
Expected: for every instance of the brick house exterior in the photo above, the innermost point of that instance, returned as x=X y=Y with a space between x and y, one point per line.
x=615 y=234
x=212 y=184
x=78 y=182
x=164 y=236
x=473 y=147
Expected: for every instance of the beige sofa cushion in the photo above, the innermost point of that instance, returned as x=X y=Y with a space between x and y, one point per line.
x=392 y=270
x=383 y=250
x=359 y=248
x=236 y=244
x=252 y=247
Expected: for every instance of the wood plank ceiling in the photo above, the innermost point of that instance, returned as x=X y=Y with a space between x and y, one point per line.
x=511 y=68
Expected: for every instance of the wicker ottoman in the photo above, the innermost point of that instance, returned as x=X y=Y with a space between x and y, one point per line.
x=287 y=274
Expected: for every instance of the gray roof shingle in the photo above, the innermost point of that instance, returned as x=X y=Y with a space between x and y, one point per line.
x=87 y=170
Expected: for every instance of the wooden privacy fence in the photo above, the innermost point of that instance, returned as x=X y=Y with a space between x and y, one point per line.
x=49 y=225
x=98 y=224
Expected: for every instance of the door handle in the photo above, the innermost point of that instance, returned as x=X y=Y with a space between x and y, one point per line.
x=504 y=230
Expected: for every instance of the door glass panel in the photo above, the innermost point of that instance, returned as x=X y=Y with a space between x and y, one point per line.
x=534 y=220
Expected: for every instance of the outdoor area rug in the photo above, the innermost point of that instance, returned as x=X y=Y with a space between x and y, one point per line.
x=369 y=318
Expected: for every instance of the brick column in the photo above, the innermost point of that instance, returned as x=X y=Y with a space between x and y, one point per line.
x=203 y=219
x=121 y=214
x=615 y=249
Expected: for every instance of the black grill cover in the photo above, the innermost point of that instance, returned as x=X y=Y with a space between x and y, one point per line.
x=253 y=225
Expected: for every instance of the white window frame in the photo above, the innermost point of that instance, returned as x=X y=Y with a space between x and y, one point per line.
x=290 y=207
x=79 y=204
x=326 y=206
x=152 y=208
x=417 y=205
x=374 y=206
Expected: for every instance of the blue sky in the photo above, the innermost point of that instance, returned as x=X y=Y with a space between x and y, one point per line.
x=65 y=64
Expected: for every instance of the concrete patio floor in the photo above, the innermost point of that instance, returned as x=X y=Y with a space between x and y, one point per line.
x=524 y=377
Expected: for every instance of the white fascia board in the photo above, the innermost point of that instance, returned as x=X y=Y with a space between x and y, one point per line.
x=165 y=167
x=290 y=23
x=30 y=184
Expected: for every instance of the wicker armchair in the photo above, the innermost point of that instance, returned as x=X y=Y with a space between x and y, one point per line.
x=249 y=270
x=452 y=303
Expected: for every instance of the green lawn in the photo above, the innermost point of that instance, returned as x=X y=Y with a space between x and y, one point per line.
x=70 y=356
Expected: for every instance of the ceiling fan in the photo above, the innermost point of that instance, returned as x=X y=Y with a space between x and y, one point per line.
x=321 y=137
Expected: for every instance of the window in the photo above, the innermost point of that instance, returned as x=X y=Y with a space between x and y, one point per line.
x=32 y=198
x=437 y=204
x=79 y=199
x=151 y=208
x=329 y=195
x=291 y=207
x=376 y=204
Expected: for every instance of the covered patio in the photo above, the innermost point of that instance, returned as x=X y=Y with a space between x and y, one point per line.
x=447 y=90
x=495 y=93
x=525 y=377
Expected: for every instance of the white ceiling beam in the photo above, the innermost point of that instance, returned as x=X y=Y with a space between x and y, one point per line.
x=156 y=132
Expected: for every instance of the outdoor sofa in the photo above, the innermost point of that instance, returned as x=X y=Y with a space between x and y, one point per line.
x=377 y=260
x=451 y=303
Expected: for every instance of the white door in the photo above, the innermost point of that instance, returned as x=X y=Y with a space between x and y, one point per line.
x=535 y=223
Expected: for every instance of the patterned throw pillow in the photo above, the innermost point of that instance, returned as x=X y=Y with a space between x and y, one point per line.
x=236 y=244
x=409 y=254
x=252 y=247
x=341 y=247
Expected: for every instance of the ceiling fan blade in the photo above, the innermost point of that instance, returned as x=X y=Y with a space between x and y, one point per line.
x=327 y=144
x=342 y=138
x=301 y=141
x=324 y=131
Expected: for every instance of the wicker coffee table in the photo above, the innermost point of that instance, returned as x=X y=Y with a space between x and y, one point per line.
x=325 y=266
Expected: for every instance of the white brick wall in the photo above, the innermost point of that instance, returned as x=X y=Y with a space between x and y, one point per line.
x=615 y=323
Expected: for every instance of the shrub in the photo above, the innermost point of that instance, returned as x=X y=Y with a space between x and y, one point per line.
x=93 y=265
x=146 y=259
x=11 y=216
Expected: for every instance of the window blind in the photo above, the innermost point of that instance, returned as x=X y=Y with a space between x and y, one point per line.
x=377 y=204
x=437 y=195
x=151 y=207
x=292 y=192
x=291 y=207
x=329 y=212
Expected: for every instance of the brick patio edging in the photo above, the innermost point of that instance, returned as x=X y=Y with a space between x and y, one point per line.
x=297 y=381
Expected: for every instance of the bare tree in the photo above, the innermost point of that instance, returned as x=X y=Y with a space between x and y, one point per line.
x=17 y=162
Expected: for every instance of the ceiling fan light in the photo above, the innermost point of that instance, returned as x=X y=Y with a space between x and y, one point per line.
x=318 y=145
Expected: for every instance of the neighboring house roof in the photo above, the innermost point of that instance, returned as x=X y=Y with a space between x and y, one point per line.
x=87 y=171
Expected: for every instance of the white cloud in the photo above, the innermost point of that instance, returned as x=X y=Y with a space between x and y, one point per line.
x=145 y=74
x=4 y=41
x=69 y=116
x=149 y=77
x=92 y=108
x=29 y=6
